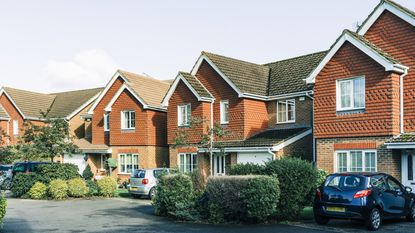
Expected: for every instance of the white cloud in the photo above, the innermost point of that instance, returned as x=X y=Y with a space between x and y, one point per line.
x=87 y=69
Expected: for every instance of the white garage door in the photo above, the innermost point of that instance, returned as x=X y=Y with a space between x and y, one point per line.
x=78 y=160
x=254 y=157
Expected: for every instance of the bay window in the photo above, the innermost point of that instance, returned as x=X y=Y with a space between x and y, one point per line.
x=350 y=94
x=286 y=111
x=128 y=163
x=356 y=161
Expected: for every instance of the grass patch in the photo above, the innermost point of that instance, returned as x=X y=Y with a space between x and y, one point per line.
x=307 y=213
x=122 y=193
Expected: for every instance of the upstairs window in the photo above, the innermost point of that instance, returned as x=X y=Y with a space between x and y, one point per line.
x=106 y=122
x=351 y=94
x=184 y=114
x=224 y=112
x=15 y=127
x=128 y=120
x=286 y=111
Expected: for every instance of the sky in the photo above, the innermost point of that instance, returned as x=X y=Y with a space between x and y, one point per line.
x=55 y=45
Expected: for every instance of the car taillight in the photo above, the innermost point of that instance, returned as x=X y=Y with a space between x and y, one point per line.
x=144 y=181
x=362 y=193
x=318 y=193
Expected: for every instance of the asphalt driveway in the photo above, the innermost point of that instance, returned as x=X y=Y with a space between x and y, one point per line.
x=130 y=215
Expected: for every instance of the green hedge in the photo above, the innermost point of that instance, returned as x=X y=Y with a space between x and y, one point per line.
x=247 y=169
x=63 y=171
x=58 y=189
x=38 y=191
x=87 y=173
x=107 y=186
x=174 y=196
x=77 y=188
x=242 y=198
x=22 y=183
x=93 y=189
x=297 y=179
x=3 y=206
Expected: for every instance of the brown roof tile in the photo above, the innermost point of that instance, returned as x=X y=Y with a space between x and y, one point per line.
x=196 y=84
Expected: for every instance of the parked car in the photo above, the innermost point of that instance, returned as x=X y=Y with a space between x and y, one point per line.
x=5 y=176
x=26 y=167
x=143 y=181
x=370 y=197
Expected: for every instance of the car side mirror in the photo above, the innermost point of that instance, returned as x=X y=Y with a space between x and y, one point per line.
x=408 y=189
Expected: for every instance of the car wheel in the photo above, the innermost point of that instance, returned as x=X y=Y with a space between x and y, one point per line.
x=411 y=214
x=375 y=219
x=152 y=193
x=320 y=220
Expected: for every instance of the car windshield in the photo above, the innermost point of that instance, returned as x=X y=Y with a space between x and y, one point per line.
x=138 y=174
x=343 y=182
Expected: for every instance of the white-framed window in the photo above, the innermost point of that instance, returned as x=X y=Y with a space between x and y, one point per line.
x=187 y=162
x=128 y=163
x=184 y=114
x=356 y=161
x=286 y=111
x=128 y=119
x=350 y=93
x=106 y=122
x=224 y=112
x=15 y=127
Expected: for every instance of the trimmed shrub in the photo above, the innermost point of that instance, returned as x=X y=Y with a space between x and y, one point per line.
x=53 y=171
x=77 y=188
x=58 y=189
x=198 y=182
x=242 y=198
x=87 y=173
x=93 y=189
x=22 y=183
x=297 y=179
x=107 y=186
x=3 y=206
x=174 y=196
x=38 y=191
x=247 y=169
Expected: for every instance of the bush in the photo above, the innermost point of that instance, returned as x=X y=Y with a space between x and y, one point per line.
x=198 y=182
x=38 y=191
x=242 y=198
x=93 y=189
x=87 y=173
x=107 y=186
x=22 y=183
x=53 y=171
x=3 y=206
x=174 y=196
x=247 y=169
x=297 y=179
x=58 y=189
x=77 y=188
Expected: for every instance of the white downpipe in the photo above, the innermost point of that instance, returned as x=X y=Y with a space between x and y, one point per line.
x=211 y=138
x=401 y=109
x=272 y=154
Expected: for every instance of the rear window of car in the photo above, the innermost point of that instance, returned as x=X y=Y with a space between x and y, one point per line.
x=344 y=182
x=138 y=174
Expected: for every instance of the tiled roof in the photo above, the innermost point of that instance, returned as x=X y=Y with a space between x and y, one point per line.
x=248 y=77
x=402 y=138
x=30 y=103
x=268 y=138
x=86 y=146
x=67 y=102
x=3 y=113
x=196 y=84
x=150 y=90
x=287 y=76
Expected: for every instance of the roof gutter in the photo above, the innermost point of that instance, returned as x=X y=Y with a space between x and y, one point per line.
x=275 y=97
x=400 y=145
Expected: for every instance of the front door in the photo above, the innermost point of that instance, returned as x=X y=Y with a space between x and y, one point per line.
x=218 y=164
x=408 y=165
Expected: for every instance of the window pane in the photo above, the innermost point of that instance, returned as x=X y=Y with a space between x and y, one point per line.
x=410 y=168
x=188 y=163
x=356 y=161
x=132 y=119
x=129 y=163
x=282 y=113
x=370 y=160
x=291 y=110
x=126 y=120
x=181 y=165
x=135 y=162
x=188 y=114
x=359 y=92
x=194 y=166
x=122 y=163
x=342 y=162
x=224 y=111
x=345 y=98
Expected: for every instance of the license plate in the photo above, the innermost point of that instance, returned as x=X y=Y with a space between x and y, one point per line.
x=336 y=209
x=133 y=188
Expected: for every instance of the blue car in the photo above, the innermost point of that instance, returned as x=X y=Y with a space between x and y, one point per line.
x=369 y=197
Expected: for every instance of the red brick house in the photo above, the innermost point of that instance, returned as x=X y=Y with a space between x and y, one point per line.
x=266 y=110
x=127 y=123
x=364 y=109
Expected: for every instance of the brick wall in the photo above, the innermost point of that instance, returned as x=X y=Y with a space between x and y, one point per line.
x=389 y=161
x=77 y=124
x=302 y=148
x=396 y=37
x=303 y=113
x=382 y=97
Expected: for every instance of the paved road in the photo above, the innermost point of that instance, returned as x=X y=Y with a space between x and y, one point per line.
x=128 y=215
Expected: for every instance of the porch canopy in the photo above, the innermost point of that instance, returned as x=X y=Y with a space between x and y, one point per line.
x=402 y=141
x=87 y=147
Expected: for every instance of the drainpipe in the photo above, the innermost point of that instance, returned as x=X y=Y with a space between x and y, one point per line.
x=401 y=100
x=211 y=137
x=312 y=126
x=271 y=153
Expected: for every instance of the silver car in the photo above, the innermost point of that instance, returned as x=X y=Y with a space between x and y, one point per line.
x=143 y=181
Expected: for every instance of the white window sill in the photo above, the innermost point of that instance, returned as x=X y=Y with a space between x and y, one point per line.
x=349 y=109
x=286 y=122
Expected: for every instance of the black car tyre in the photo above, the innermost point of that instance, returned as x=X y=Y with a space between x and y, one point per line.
x=320 y=220
x=411 y=215
x=375 y=219
x=136 y=196
x=152 y=193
